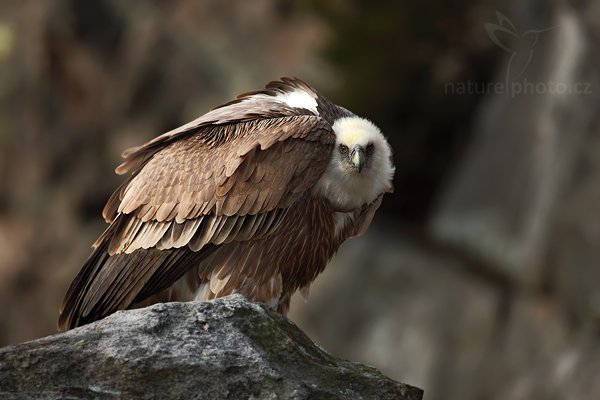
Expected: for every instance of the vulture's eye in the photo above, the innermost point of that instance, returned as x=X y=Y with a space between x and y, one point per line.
x=343 y=149
x=370 y=149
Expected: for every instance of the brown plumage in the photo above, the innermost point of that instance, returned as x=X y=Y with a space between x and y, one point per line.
x=236 y=201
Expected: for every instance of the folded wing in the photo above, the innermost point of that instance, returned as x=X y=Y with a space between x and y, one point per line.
x=189 y=192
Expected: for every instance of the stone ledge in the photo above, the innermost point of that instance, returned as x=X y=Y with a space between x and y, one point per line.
x=229 y=348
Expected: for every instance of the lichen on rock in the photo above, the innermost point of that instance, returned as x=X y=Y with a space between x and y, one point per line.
x=229 y=348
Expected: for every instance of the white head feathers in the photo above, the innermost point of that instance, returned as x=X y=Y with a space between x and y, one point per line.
x=346 y=187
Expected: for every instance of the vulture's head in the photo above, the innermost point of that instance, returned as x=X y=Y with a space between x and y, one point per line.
x=361 y=166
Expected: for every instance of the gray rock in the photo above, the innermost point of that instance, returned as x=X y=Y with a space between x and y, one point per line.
x=226 y=349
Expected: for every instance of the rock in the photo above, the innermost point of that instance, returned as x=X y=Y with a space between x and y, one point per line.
x=226 y=349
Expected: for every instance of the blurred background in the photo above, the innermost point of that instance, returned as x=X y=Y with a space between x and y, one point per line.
x=479 y=277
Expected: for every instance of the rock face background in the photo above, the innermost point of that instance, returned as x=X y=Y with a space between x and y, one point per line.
x=479 y=278
x=499 y=291
x=226 y=349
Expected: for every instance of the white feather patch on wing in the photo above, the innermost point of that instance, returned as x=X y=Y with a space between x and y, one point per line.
x=297 y=99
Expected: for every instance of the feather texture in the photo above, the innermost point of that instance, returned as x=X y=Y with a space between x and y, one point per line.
x=220 y=205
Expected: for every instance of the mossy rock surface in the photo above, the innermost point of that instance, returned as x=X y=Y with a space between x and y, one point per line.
x=225 y=349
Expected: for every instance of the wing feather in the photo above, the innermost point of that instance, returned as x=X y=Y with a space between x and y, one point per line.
x=163 y=180
x=272 y=173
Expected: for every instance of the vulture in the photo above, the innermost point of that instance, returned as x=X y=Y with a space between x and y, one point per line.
x=253 y=197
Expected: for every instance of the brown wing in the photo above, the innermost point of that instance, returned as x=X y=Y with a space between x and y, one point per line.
x=246 y=107
x=219 y=184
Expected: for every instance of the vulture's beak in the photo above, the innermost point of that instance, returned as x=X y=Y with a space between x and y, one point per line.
x=358 y=158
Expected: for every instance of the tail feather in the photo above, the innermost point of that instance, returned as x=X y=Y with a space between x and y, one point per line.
x=108 y=283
